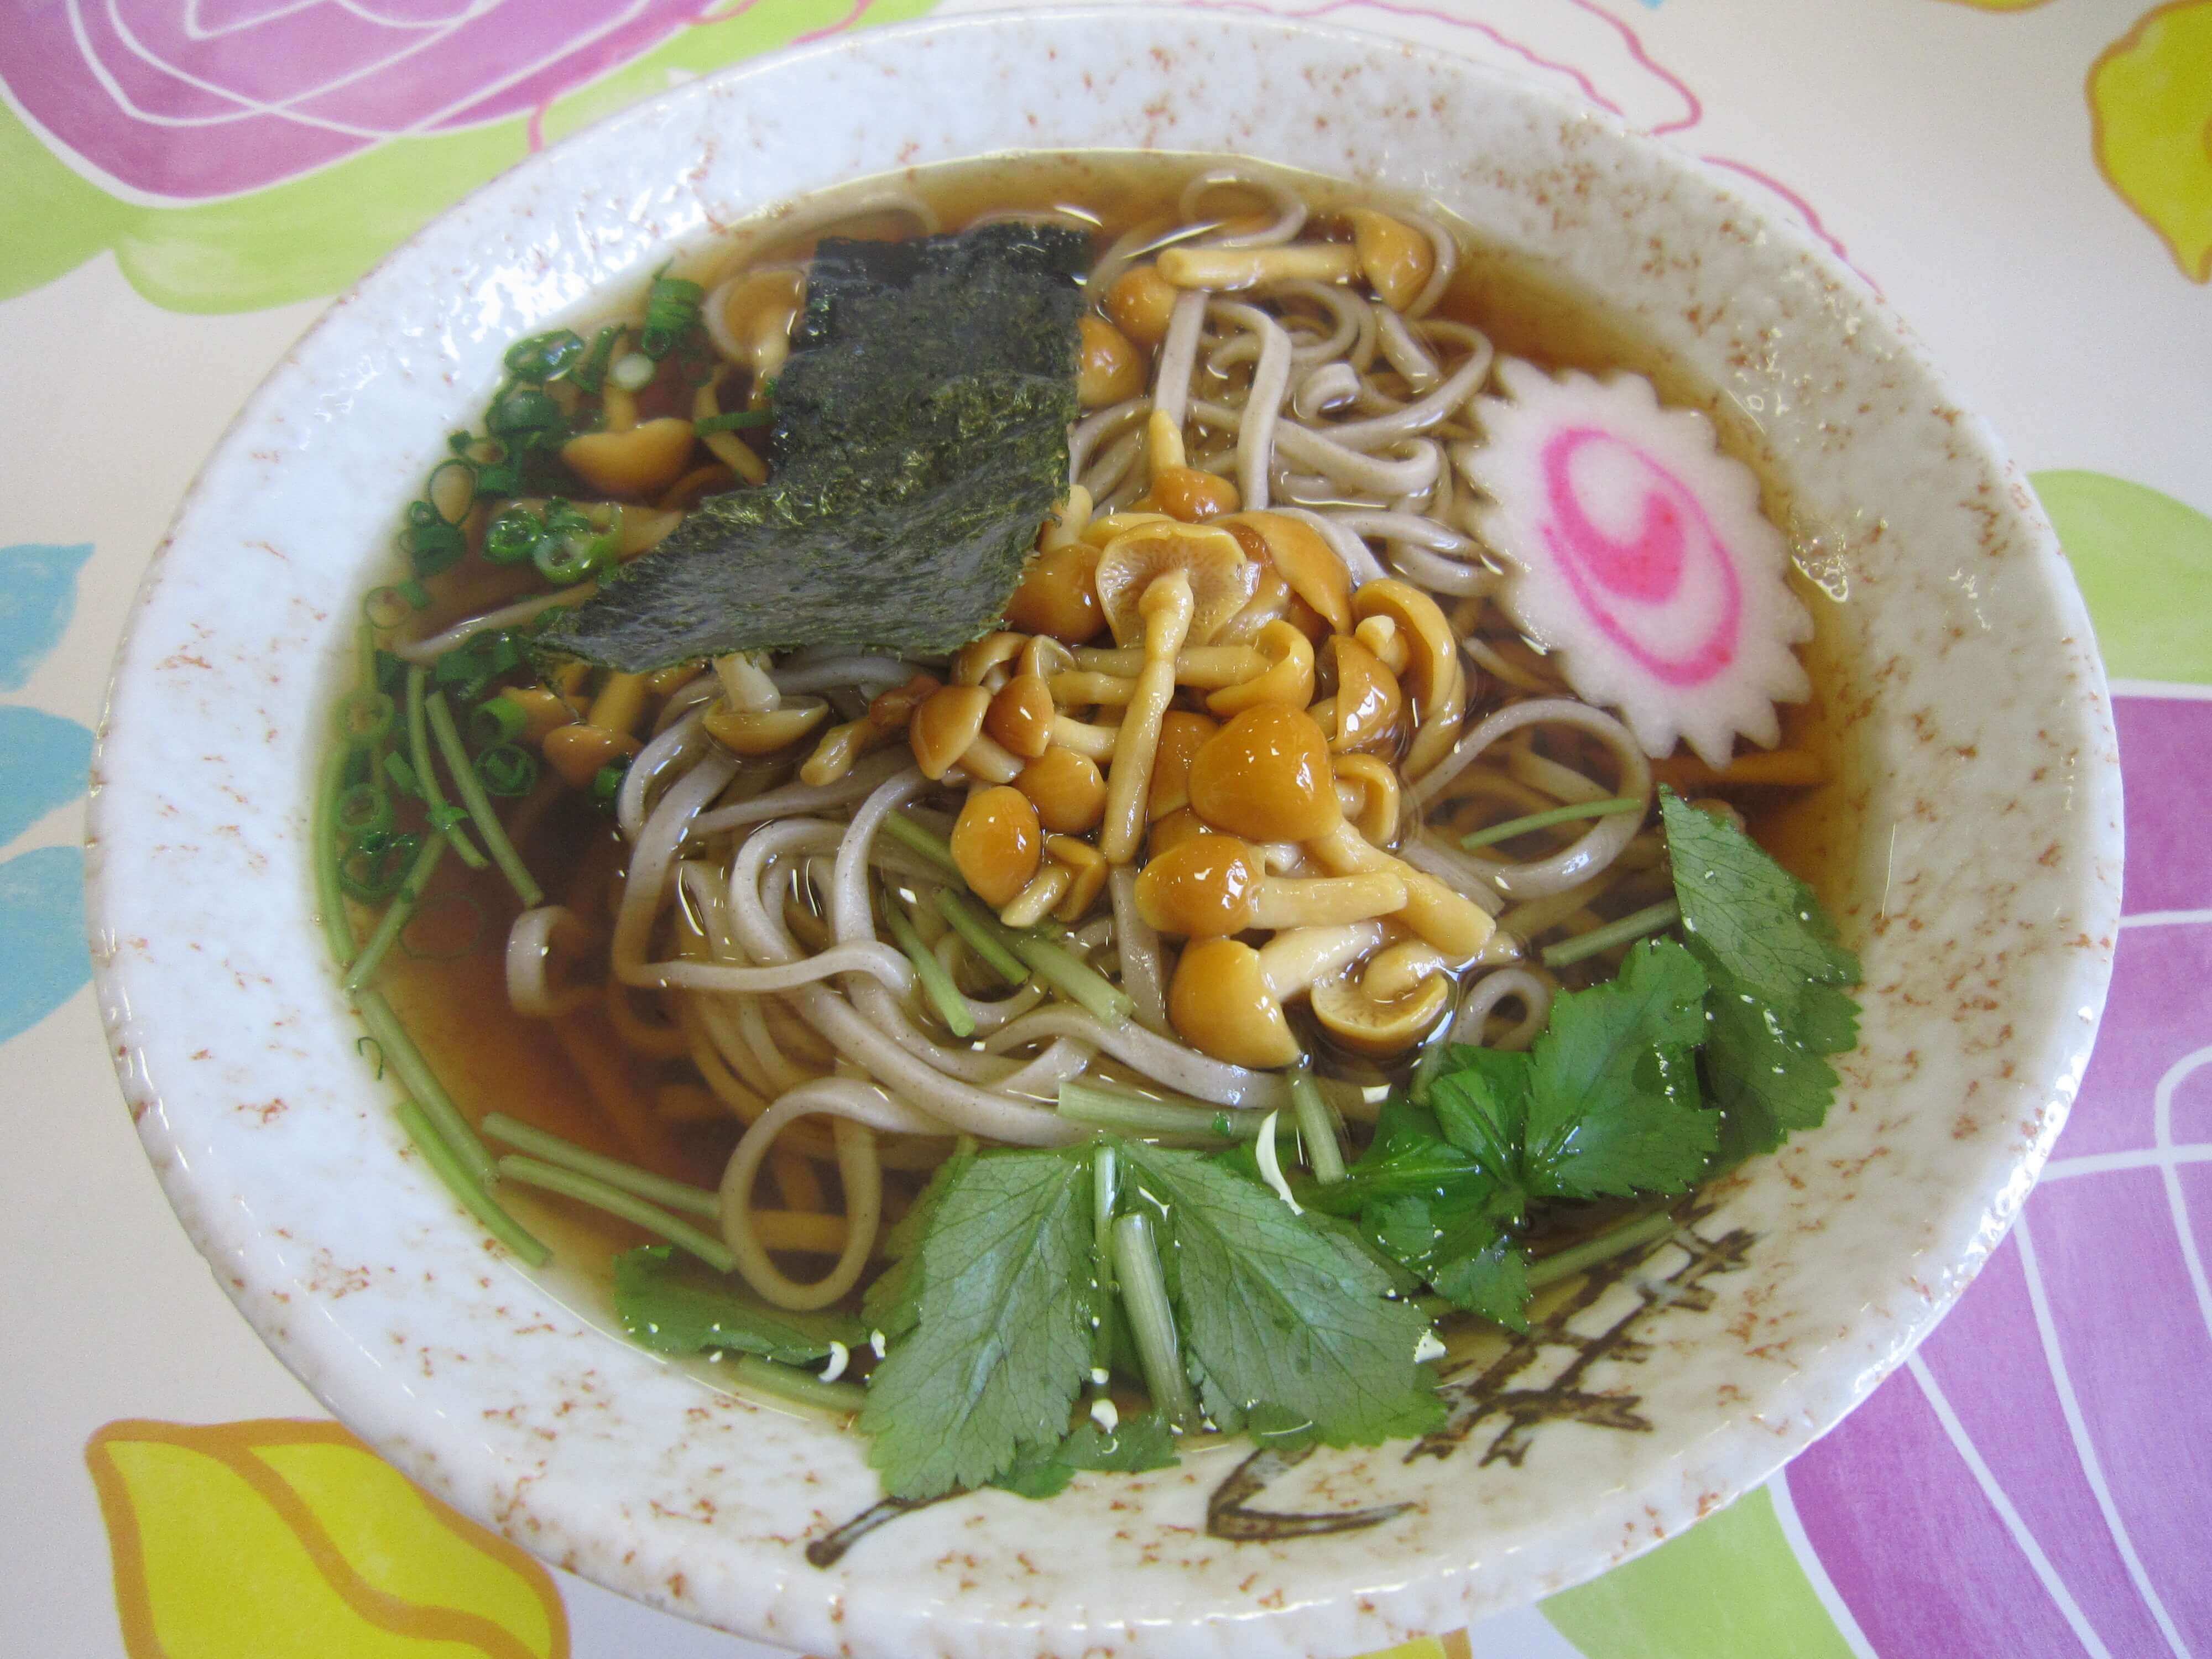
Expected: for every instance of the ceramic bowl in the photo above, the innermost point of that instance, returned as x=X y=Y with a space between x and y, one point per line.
x=1982 y=894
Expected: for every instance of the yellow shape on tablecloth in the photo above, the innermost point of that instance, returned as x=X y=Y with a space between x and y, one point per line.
x=2150 y=104
x=288 y=1540
x=1454 y=1646
x=2002 y=5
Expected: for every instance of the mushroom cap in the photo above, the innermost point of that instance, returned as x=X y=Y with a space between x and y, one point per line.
x=1086 y=875
x=997 y=844
x=1169 y=833
x=1266 y=776
x=1287 y=678
x=1183 y=734
x=1396 y=259
x=1220 y=1004
x=1305 y=559
x=1200 y=888
x=642 y=461
x=1367 y=697
x=1221 y=577
x=1432 y=654
x=1068 y=790
x=1020 y=716
x=973 y=663
x=765 y=731
x=1367 y=1026
x=1057 y=595
x=1375 y=818
x=944 y=724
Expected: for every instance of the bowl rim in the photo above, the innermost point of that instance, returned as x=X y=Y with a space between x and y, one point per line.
x=227 y=1234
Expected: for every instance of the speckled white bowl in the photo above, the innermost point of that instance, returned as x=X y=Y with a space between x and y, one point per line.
x=1984 y=898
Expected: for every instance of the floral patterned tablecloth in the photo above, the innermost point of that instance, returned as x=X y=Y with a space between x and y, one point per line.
x=183 y=182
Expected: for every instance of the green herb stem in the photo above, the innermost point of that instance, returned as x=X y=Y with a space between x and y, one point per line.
x=1065 y=971
x=389 y=925
x=737 y=421
x=482 y=1205
x=614 y=1201
x=416 y=1076
x=916 y=839
x=443 y=824
x=479 y=804
x=974 y=926
x=1145 y=1296
x=658 y=1189
x=1584 y=809
x=1614 y=1241
x=1105 y=1185
x=803 y=1388
x=936 y=984
x=1140 y=1114
x=1316 y=1126
x=1425 y=1069
x=329 y=891
x=1634 y=926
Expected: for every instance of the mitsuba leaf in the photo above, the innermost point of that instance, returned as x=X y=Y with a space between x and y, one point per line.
x=890 y=1304
x=1000 y=1342
x=1612 y=1104
x=921 y=439
x=1779 y=1001
x=668 y=1306
x=1140 y=1445
x=1271 y=1309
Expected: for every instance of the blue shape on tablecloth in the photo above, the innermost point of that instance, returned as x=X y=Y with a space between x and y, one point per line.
x=37 y=592
x=43 y=760
x=42 y=957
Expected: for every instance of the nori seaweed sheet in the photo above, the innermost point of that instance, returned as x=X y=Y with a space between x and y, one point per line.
x=920 y=438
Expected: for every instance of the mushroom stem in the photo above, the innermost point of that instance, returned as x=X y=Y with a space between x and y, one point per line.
x=1093 y=743
x=1167 y=608
x=1209 y=667
x=1450 y=920
x=1326 y=901
x=1246 y=267
x=1293 y=962
x=745 y=682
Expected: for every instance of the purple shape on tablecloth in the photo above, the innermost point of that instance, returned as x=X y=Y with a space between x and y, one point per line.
x=1911 y=1544
x=189 y=103
x=2165 y=744
x=2136 y=1342
x=2159 y=1011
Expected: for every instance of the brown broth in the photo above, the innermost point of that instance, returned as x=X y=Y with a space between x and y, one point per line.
x=492 y=1059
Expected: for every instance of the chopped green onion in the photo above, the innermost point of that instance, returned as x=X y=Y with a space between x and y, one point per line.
x=633 y=371
x=737 y=421
x=479 y=659
x=1145 y=1296
x=443 y=817
x=386 y=607
x=969 y=922
x=396 y=769
x=479 y=1203
x=1141 y=1115
x=543 y=357
x=396 y=913
x=391 y=671
x=417 y=596
x=1615 y=1241
x=658 y=1189
x=534 y=1172
x=506 y=770
x=451 y=490
x=497 y=721
x=367 y=716
x=513 y=537
x=1064 y=970
x=1633 y=925
x=936 y=984
x=573 y=548
x=1316 y=1126
x=803 y=1388
x=432 y=546
x=607 y=782
x=916 y=839
x=1585 y=809
x=525 y=416
x=383 y=862
x=592 y=371
x=365 y=809
x=671 y=308
x=480 y=807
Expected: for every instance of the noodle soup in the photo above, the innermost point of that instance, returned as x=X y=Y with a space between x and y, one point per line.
x=1246 y=852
